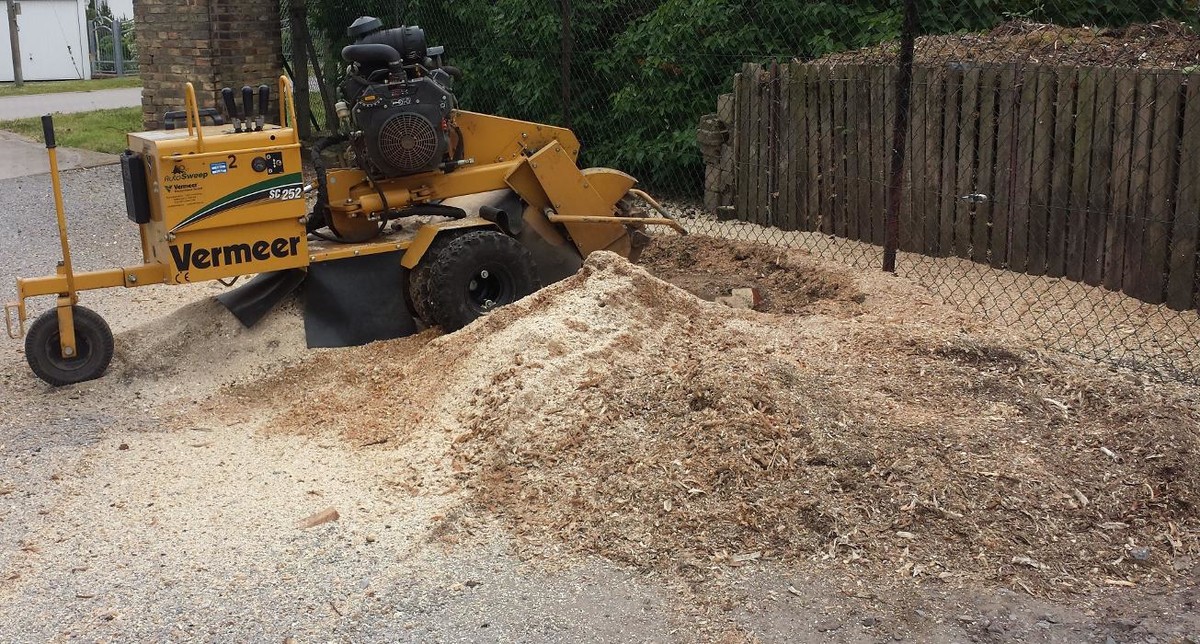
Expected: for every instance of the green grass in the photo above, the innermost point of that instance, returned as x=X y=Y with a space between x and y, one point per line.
x=101 y=130
x=47 y=87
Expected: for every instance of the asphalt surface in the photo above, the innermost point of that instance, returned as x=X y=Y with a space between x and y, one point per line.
x=19 y=107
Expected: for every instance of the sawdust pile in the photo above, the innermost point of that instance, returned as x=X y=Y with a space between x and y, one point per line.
x=616 y=414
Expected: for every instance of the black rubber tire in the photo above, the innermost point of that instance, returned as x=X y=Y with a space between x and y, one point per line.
x=418 y=292
x=93 y=344
x=457 y=289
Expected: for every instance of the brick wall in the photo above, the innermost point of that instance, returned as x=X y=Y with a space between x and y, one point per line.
x=211 y=43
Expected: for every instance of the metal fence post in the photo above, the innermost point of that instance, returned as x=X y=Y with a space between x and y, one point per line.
x=118 y=47
x=900 y=136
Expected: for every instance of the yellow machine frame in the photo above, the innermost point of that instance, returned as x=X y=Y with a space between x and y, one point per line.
x=536 y=161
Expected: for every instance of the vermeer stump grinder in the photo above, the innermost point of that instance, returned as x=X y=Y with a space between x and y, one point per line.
x=440 y=212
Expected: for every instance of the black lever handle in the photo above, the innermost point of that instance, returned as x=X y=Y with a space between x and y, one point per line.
x=248 y=105
x=231 y=108
x=264 y=97
x=48 y=131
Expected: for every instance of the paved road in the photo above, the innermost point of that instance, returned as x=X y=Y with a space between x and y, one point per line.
x=19 y=107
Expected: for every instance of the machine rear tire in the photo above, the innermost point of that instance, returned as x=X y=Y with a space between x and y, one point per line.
x=475 y=273
x=93 y=343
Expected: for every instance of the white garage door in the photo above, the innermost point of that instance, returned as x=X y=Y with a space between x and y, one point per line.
x=53 y=41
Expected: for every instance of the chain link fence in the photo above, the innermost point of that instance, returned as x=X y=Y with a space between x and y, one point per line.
x=1047 y=175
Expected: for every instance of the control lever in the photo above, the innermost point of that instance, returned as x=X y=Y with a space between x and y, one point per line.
x=264 y=97
x=231 y=108
x=248 y=104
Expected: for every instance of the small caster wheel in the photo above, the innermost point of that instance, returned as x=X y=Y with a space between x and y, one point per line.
x=93 y=344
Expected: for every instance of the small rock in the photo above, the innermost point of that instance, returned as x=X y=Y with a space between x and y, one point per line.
x=906 y=535
x=123 y=446
x=1141 y=553
x=456 y=587
x=869 y=621
x=471 y=583
x=828 y=625
x=371 y=538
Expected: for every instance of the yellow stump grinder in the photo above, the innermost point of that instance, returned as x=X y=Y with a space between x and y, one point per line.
x=438 y=213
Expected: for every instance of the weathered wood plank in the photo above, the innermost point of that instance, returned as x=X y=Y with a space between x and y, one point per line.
x=812 y=169
x=1163 y=162
x=1018 y=211
x=1099 y=190
x=1081 y=172
x=1139 y=186
x=986 y=177
x=968 y=147
x=1124 y=129
x=948 y=185
x=863 y=185
x=741 y=143
x=1060 y=180
x=838 y=172
x=793 y=145
x=889 y=101
x=912 y=221
x=1041 y=169
x=850 y=136
x=762 y=214
x=1006 y=160
x=828 y=182
x=935 y=101
x=880 y=152
x=1181 y=277
x=783 y=129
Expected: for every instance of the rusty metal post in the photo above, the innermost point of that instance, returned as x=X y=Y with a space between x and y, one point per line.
x=900 y=135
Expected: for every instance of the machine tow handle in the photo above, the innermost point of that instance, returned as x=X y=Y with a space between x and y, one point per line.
x=264 y=97
x=66 y=321
x=231 y=108
x=248 y=106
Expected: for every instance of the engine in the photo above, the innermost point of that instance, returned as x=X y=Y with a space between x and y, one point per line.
x=400 y=101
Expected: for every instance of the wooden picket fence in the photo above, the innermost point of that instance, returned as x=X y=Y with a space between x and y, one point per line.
x=1091 y=174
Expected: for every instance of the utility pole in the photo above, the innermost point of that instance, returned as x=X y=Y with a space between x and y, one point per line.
x=14 y=39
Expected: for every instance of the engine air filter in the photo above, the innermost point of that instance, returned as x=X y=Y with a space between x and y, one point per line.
x=408 y=143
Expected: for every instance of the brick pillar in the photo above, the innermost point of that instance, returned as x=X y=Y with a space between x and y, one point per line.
x=211 y=43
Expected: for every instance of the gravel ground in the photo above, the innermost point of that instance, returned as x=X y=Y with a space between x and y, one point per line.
x=130 y=512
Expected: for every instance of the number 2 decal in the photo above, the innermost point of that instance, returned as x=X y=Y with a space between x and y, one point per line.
x=232 y=161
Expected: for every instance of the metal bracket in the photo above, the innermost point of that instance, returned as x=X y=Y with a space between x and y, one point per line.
x=16 y=331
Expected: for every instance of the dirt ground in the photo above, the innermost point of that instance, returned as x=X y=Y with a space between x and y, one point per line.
x=612 y=459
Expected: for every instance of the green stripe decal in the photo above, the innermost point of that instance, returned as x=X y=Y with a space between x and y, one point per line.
x=249 y=194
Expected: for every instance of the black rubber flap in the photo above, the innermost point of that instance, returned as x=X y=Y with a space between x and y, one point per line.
x=254 y=299
x=354 y=301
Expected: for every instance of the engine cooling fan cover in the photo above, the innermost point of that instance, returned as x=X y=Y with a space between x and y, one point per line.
x=408 y=142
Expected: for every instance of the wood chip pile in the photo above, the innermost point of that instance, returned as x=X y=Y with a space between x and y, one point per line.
x=870 y=428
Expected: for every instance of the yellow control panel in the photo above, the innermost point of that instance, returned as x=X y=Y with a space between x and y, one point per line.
x=222 y=203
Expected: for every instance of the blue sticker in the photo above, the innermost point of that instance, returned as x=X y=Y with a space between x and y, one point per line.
x=219 y=167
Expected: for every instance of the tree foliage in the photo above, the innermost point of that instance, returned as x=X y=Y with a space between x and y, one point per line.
x=643 y=71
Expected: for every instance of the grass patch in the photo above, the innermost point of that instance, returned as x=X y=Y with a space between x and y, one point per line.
x=48 y=87
x=101 y=130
